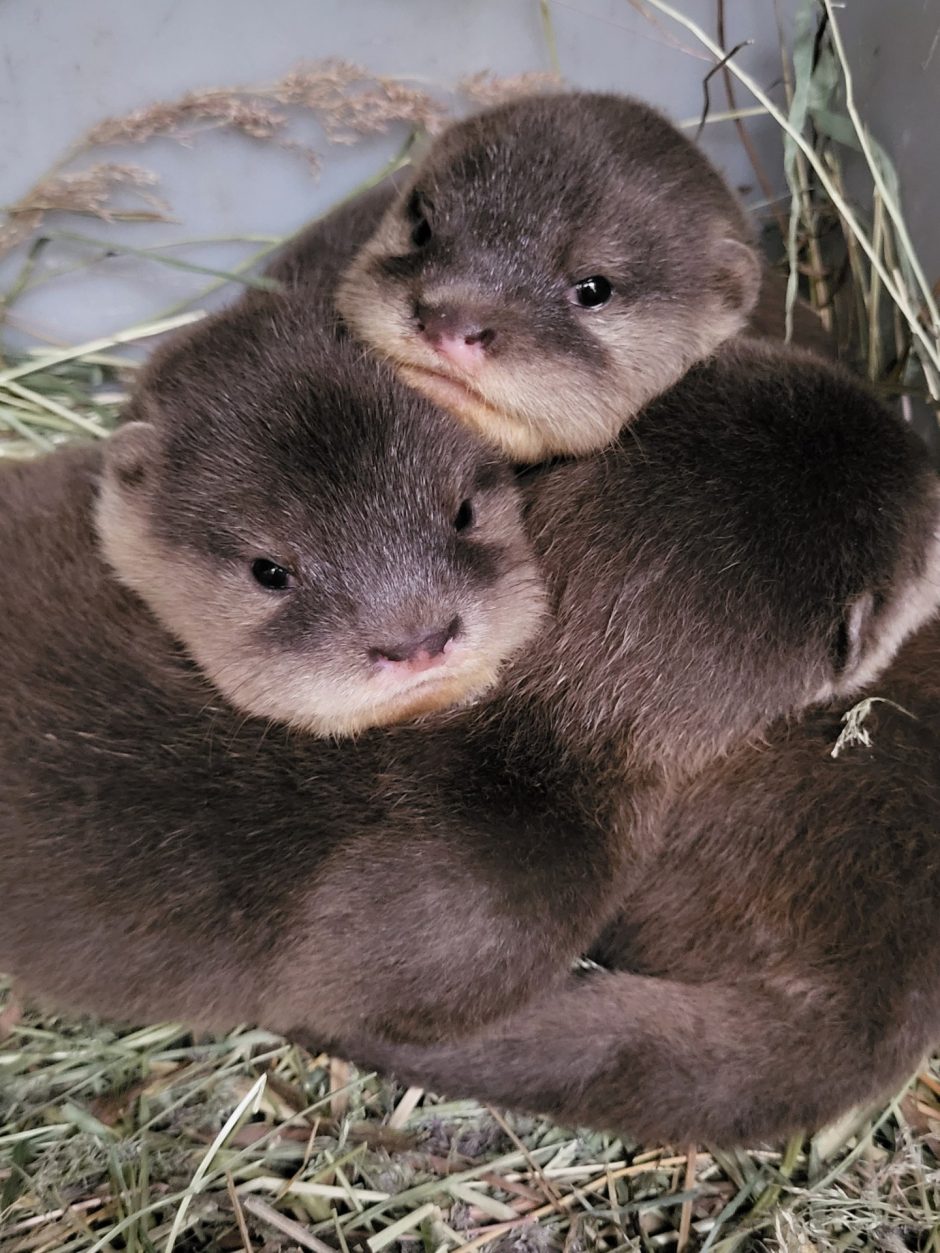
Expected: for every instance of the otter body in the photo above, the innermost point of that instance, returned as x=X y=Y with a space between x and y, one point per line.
x=775 y=961
x=755 y=545
x=765 y=943
x=766 y=970
x=163 y=855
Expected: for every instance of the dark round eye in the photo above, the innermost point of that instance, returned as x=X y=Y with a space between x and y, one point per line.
x=592 y=292
x=420 y=226
x=270 y=575
x=464 y=518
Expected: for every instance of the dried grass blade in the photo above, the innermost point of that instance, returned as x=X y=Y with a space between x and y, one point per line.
x=247 y=1106
x=135 y=333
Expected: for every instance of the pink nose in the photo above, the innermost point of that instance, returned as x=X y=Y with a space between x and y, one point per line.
x=422 y=651
x=455 y=334
x=466 y=353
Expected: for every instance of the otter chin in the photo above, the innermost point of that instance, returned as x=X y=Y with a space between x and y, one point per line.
x=434 y=695
x=520 y=438
x=539 y=301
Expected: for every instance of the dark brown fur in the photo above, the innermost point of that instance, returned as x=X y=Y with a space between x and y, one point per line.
x=744 y=550
x=776 y=958
x=774 y=942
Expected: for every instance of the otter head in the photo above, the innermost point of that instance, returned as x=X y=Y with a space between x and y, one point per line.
x=552 y=265
x=333 y=552
x=817 y=551
x=762 y=540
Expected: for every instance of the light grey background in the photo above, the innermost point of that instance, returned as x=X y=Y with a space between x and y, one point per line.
x=67 y=64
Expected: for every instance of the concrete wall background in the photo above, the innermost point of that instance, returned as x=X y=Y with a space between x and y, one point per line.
x=66 y=66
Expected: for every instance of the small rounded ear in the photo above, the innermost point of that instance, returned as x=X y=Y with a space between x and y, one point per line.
x=130 y=454
x=739 y=274
x=851 y=636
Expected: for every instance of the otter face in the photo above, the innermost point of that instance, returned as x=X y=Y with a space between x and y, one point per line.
x=553 y=265
x=330 y=550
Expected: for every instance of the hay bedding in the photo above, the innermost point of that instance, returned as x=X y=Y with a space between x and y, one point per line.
x=150 y=1139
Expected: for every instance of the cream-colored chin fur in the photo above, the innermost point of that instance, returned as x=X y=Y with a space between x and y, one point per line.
x=217 y=622
x=297 y=699
x=513 y=436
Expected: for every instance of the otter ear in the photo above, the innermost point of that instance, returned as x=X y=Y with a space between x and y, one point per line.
x=130 y=455
x=849 y=644
x=739 y=274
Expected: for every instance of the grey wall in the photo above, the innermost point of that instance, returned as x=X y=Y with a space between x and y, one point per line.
x=894 y=49
x=68 y=65
x=65 y=66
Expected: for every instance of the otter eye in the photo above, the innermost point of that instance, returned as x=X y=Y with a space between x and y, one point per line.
x=270 y=575
x=592 y=292
x=464 y=518
x=421 y=233
x=421 y=227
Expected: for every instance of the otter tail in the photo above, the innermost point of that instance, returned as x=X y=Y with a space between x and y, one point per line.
x=674 y=1062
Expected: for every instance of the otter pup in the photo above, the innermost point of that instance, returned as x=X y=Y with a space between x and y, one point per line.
x=775 y=961
x=318 y=257
x=396 y=582
x=755 y=545
x=551 y=266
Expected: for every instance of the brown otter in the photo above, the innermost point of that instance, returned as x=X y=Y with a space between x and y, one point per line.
x=332 y=599
x=552 y=265
x=775 y=961
x=756 y=543
x=765 y=971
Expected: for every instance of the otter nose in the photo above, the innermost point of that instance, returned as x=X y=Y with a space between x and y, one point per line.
x=419 y=651
x=454 y=333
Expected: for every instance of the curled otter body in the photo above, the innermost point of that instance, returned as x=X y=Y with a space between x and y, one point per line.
x=755 y=546
x=775 y=962
x=764 y=973
x=551 y=266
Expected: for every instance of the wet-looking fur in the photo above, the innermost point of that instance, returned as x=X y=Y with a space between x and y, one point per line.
x=475 y=283
x=761 y=539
